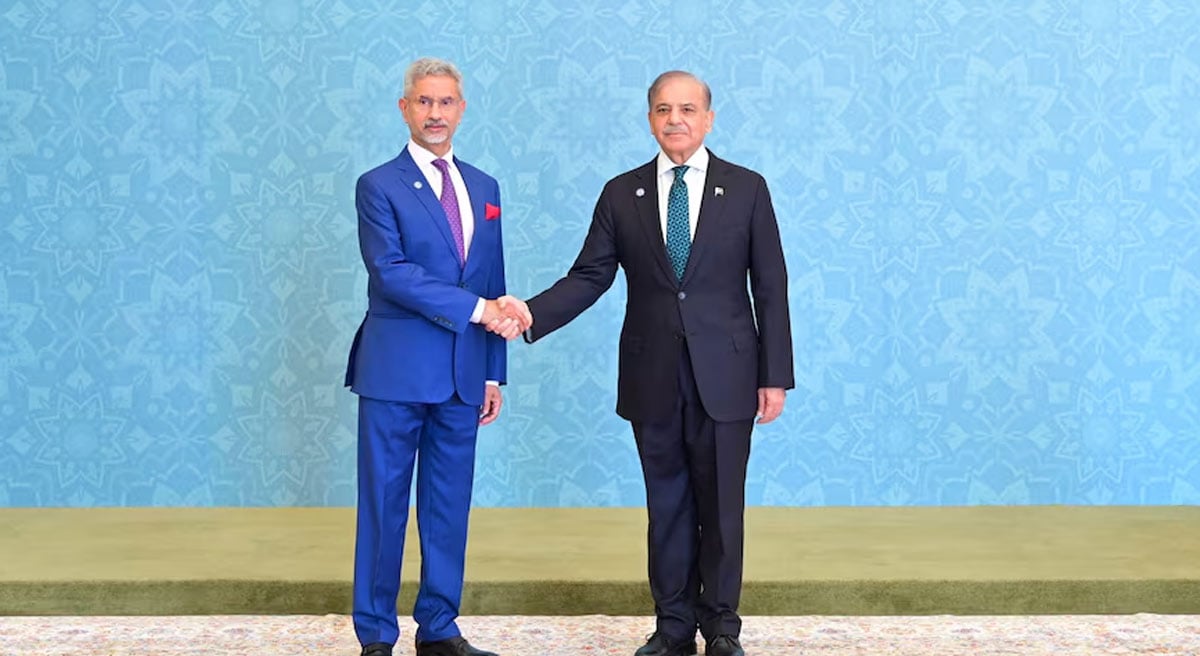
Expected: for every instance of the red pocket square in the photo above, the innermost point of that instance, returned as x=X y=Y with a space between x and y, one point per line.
x=491 y=211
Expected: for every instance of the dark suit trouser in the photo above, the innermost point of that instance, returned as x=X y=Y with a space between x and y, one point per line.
x=440 y=439
x=695 y=473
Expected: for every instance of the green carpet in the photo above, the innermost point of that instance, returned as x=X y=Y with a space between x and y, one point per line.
x=532 y=561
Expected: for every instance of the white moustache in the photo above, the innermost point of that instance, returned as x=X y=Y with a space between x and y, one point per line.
x=675 y=129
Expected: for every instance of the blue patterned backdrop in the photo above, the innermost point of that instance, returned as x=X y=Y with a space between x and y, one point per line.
x=989 y=209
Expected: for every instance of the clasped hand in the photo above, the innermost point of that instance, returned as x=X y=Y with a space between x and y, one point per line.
x=507 y=316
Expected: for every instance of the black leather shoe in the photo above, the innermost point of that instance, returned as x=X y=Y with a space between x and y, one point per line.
x=723 y=645
x=456 y=646
x=661 y=645
x=377 y=649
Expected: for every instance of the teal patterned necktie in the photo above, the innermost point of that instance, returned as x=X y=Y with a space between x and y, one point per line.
x=679 y=238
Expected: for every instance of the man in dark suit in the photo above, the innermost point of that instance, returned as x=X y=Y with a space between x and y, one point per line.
x=426 y=371
x=698 y=360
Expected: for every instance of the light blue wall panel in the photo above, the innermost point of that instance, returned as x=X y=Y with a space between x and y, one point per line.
x=989 y=210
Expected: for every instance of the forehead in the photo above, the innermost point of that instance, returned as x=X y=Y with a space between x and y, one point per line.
x=680 y=91
x=437 y=86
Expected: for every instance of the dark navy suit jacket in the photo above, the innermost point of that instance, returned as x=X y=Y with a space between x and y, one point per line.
x=735 y=347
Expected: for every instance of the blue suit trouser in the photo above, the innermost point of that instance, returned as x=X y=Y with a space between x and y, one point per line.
x=439 y=439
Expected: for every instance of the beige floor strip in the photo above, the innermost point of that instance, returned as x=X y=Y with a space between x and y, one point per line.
x=332 y=635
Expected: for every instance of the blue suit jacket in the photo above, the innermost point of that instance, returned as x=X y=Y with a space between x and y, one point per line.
x=417 y=343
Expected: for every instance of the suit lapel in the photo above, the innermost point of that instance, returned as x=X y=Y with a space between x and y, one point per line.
x=647 y=207
x=412 y=178
x=479 y=234
x=712 y=206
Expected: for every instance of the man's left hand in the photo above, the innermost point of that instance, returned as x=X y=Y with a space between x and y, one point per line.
x=770 y=404
x=492 y=400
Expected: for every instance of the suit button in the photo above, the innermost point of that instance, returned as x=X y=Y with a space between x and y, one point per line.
x=681 y=295
x=462 y=285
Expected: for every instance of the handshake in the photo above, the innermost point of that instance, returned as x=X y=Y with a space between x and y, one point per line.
x=506 y=316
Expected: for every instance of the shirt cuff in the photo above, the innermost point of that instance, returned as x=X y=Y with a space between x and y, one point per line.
x=477 y=315
x=493 y=382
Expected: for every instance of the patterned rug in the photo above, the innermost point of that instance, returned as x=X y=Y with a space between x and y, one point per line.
x=594 y=635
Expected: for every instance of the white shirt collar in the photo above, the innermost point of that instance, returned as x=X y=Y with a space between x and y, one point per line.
x=424 y=157
x=698 y=161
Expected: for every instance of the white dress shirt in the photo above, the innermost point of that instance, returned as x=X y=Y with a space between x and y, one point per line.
x=424 y=160
x=694 y=178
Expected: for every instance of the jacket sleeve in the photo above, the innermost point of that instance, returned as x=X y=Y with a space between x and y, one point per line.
x=394 y=276
x=590 y=276
x=497 y=347
x=768 y=285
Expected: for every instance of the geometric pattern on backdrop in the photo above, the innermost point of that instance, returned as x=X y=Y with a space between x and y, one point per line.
x=990 y=213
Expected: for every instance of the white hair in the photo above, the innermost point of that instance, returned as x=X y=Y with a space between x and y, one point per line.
x=671 y=75
x=427 y=66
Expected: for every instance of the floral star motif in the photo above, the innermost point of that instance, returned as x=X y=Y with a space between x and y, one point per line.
x=998 y=330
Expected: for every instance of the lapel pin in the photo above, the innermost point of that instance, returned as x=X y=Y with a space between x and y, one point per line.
x=719 y=191
x=639 y=192
x=417 y=184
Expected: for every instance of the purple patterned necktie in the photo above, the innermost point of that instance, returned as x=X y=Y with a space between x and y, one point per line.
x=450 y=205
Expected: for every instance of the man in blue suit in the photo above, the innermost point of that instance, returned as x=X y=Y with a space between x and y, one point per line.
x=426 y=369
x=697 y=238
